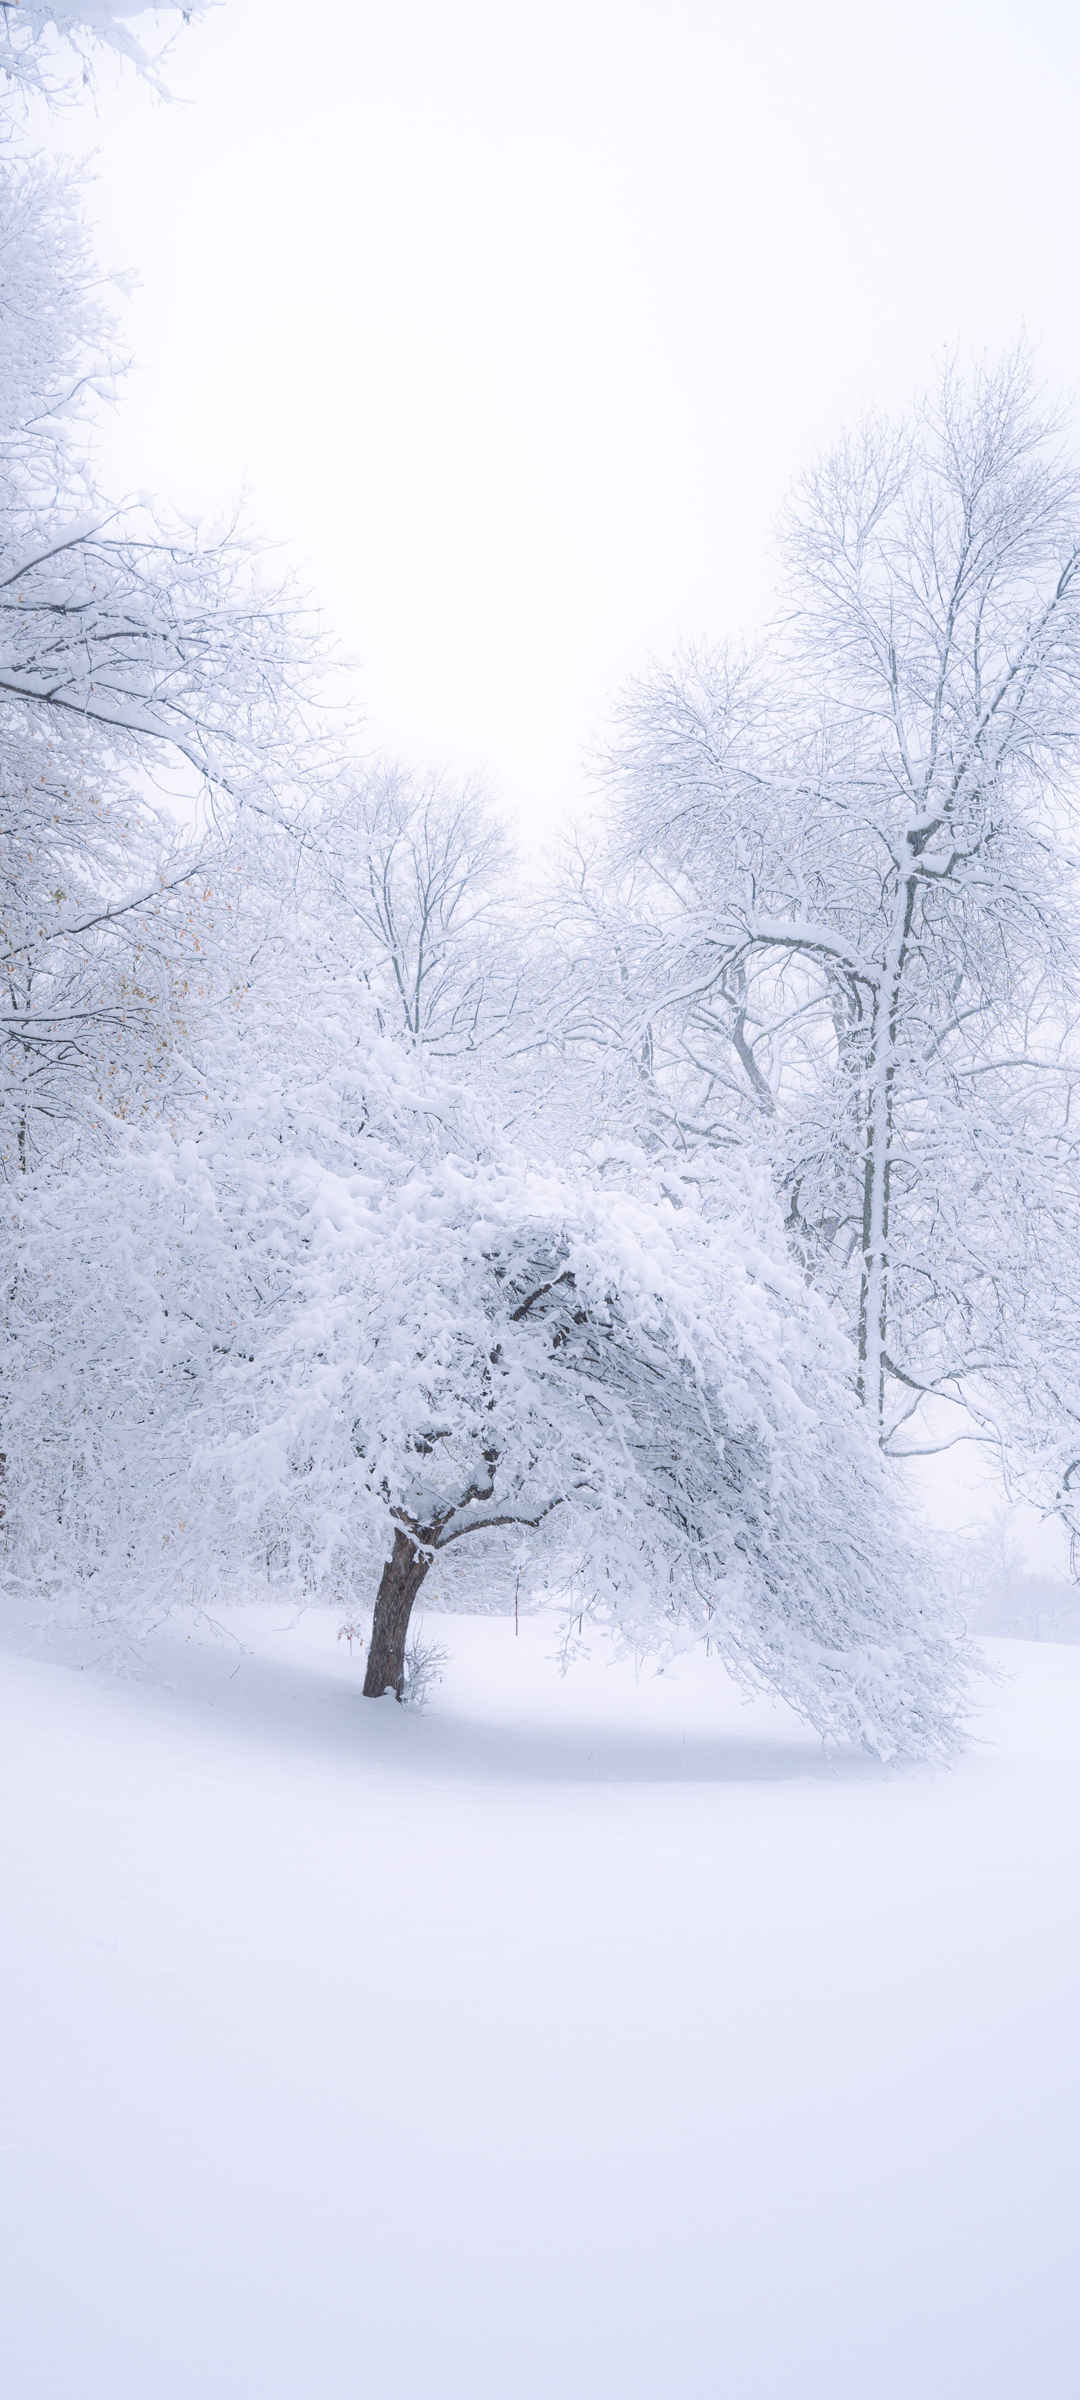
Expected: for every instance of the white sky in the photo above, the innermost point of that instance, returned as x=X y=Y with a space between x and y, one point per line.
x=516 y=323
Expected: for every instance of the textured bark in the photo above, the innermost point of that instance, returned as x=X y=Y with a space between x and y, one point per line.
x=399 y=1584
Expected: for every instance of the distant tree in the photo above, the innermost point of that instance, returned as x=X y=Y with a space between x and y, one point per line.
x=406 y=877
x=856 y=866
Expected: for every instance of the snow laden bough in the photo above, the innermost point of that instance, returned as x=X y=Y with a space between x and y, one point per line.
x=665 y=1416
x=360 y=1336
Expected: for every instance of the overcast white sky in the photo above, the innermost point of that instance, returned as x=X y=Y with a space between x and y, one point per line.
x=516 y=323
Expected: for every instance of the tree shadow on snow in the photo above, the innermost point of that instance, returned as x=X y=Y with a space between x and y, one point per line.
x=296 y=1705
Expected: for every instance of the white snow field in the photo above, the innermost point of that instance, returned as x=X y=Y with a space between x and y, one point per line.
x=581 y=2037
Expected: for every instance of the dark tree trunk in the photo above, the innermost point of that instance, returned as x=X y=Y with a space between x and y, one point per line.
x=399 y=1584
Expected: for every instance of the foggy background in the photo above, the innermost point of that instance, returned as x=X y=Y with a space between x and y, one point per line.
x=515 y=325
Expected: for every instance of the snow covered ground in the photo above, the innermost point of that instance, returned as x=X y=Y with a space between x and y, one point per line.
x=579 y=2037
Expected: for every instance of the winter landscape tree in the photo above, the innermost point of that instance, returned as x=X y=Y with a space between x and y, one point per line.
x=353 y=1322
x=857 y=902
x=147 y=678
x=46 y=45
x=407 y=879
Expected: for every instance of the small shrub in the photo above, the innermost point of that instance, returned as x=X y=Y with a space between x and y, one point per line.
x=425 y=1663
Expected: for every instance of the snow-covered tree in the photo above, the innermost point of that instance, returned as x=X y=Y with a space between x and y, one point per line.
x=356 y=1324
x=405 y=881
x=46 y=44
x=856 y=877
x=148 y=679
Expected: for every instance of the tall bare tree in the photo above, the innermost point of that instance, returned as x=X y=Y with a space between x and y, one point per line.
x=152 y=684
x=857 y=867
x=408 y=875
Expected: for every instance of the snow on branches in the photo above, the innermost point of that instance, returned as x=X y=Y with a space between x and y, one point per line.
x=152 y=687
x=41 y=41
x=854 y=918
x=356 y=1326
